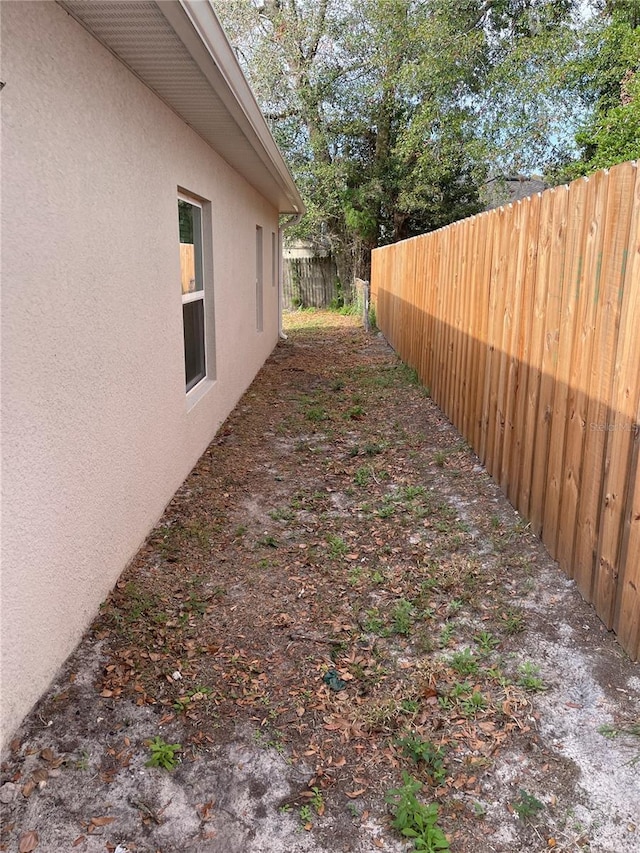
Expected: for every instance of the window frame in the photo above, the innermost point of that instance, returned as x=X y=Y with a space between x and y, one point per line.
x=196 y=296
x=259 y=279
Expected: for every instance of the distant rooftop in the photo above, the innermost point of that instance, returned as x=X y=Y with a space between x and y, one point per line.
x=505 y=189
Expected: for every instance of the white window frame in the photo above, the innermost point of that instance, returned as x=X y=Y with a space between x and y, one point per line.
x=259 y=279
x=197 y=295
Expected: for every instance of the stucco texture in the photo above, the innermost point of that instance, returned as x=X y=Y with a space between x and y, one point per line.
x=97 y=431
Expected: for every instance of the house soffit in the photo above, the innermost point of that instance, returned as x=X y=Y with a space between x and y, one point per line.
x=144 y=36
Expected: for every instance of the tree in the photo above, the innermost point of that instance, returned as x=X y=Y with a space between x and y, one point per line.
x=393 y=112
x=607 y=77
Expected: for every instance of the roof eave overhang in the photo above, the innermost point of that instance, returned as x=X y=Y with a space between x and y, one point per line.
x=243 y=138
x=199 y=29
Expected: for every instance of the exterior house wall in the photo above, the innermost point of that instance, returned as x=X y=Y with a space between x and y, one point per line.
x=97 y=430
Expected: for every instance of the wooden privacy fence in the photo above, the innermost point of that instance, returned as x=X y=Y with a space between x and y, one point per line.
x=525 y=324
x=309 y=282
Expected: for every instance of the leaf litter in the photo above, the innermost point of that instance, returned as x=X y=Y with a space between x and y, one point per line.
x=339 y=586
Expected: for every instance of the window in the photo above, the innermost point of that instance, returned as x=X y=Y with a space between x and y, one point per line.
x=259 y=280
x=192 y=283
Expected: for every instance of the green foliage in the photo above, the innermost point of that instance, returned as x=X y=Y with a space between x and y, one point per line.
x=402 y=617
x=425 y=751
x=527 y=806
x=528 y=677
x=393 y=115
x=415 y=820
x=464 y=662
x=163 y=754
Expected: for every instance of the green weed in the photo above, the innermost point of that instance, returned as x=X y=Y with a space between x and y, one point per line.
x=527 y=806
x=337 y=546
x=464 y=662
x=163 y=754
x=424 y=750
x=528 y=677
x=402 y=617
x=415 y=820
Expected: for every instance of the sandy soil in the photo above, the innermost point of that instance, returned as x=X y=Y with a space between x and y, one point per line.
x=337 y=596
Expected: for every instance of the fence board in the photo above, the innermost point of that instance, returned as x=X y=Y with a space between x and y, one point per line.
x=519 y=446
x=586 y=253
x=620 y=420
x=522 y=323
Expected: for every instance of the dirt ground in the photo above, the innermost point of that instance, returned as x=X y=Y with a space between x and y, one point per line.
x=338 y=601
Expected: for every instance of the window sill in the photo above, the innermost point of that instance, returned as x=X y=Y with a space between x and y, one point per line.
x=196 y=394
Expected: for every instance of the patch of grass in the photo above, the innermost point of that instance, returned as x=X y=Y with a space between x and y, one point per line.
x=413 y=819
x=355 y=575
x=362 y=476
x=355 y=413
x=337 y=546
x=402 y=617
x=409 y=374
x=372 y=449
x=317 y=801
x=183 y=703
x=82 y=762
x=281 y=514
x=527 y=806
x=439 y=458
x=163 y=754
x=473 y=704
x=529 y=677
x=486 y=641
x=426 y=752
x=631 y=730
x=375 y=624
x=511 y=620
x=268 y=541
x=446 y=635
x=316 y=414
x=464 y=662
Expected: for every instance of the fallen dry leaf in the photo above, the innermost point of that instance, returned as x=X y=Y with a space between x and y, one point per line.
x=102 y=821
x=28 y=841
x=28 y=788
x=353 y=794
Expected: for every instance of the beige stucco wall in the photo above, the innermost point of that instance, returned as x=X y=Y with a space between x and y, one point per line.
x=97 y=432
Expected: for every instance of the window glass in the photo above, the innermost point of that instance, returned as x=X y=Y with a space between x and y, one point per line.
x=193 y=318
x=192 y=287
x=190 y=221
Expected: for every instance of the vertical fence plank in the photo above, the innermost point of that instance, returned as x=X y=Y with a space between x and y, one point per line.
x=494 y=333
x=552 y=394
x=513 y=344
x=532 y=488
x=568 y=254
x=469 y=333
x=481 y=288
x=524 y=356
x=587 y=352
x=627 y=611
x=586 y=255
x=620 y=368
x=551 y=333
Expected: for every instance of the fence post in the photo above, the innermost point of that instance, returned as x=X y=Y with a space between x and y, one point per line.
x=365 y=303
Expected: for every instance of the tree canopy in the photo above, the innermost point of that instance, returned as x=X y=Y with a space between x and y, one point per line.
x=394 y=113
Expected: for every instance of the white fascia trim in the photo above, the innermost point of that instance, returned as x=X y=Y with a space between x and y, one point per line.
x=198 y=27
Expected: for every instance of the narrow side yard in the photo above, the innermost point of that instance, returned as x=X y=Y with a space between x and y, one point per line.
x=337 y=604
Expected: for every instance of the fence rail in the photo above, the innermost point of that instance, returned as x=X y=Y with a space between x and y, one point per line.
x=523 y=322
